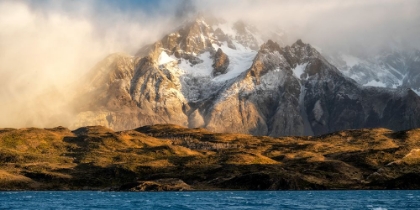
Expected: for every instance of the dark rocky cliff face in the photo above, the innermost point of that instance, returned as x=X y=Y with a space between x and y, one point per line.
x=334 y=102
x=186 y=79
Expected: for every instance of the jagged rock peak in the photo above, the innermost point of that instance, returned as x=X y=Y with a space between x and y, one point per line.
x=269 y=58
x=299 y=53
x=299 y=42
x=199 y=34
x=270 y=46
x=220 y=63
x=300 y=46
x=192 y=37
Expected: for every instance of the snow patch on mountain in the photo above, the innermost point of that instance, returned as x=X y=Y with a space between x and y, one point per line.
x=374 y=83
x=244 y=87
x=197 y=82
x=202 y=69
x=398 y=83
x=299 y=70
x=240 y=60
x=272 y=79
x=416 y=91
x=164 y=58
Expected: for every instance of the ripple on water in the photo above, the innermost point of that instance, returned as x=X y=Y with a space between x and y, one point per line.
x=375 y=200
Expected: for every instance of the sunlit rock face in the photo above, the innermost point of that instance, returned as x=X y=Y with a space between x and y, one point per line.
x=220 y=63
x=226 y=78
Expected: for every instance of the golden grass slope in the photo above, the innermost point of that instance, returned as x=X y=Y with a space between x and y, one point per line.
x=98 y=158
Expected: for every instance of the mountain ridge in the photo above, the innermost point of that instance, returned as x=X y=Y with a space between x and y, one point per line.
x=276 y=91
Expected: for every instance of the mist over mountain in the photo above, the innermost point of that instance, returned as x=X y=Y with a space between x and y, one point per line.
x=49 y=48
x=224 y=77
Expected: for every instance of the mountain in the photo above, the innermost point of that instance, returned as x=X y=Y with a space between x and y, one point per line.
x=392 y=67
x=223 y=77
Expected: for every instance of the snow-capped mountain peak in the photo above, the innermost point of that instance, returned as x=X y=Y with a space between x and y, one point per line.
x=224 y=77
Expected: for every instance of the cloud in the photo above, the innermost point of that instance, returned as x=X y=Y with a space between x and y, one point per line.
x=45 y=49
x=331 y=24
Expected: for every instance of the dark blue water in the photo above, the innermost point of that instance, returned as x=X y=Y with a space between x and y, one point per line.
x=213 y=200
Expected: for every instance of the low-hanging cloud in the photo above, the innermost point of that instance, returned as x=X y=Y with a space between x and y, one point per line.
x=45 y=46
x=44 y=51
x=330 y=24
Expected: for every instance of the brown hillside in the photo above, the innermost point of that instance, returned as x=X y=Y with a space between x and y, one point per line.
x=169 y=157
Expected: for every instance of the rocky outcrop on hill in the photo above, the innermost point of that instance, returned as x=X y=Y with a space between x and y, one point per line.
x=220 y=63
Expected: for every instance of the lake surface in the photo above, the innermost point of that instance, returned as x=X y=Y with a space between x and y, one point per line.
x=212 y=200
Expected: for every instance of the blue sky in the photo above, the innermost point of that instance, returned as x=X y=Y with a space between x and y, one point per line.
x=323 y=22
x=100 y=7
x=129 y=5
